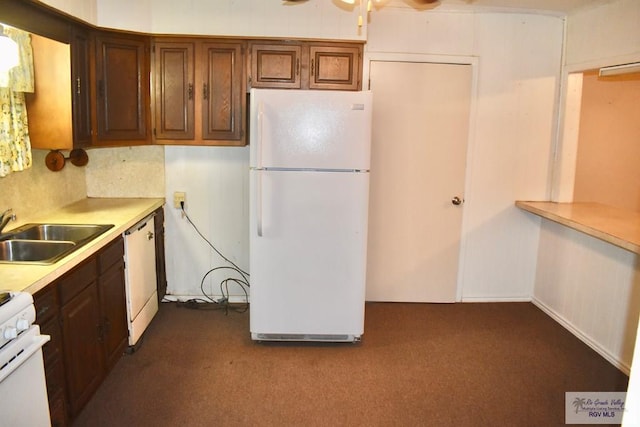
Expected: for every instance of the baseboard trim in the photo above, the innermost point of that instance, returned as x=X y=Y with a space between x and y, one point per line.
x=615 y=361
x=497 y=299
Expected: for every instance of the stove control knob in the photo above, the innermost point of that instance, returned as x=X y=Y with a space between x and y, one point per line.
x=10 y=333
x=22 y=324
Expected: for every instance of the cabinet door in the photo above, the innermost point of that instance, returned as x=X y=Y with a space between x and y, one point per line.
x=81 y=100
x=114 y=314
x=276 y=66
x=83 y=356
x=334 y=67
x=47 y=316
x=174 y=90
x=122 y=81
x=222 y=100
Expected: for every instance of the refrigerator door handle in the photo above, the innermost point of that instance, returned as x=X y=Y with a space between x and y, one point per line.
x=259 y=203
x=259 y=141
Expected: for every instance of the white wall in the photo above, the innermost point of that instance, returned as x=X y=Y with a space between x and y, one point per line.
x=600 y=36
x=604 y=35
x=511 y=137
x=216 y=183
x=249 y=18
x=592 y=288
x=85 y=10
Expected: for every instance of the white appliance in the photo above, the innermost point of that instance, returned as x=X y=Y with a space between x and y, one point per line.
x=309 y=192
x=23 y=390
x=141 y=284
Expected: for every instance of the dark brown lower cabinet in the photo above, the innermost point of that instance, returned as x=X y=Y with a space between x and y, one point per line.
x=161 y=273
x=83 y=356
x=84 y=311
x=48 y=318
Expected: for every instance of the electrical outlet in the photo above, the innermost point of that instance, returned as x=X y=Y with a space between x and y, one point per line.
x=179 y=196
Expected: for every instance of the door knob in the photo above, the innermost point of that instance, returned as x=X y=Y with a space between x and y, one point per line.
x=457 y=201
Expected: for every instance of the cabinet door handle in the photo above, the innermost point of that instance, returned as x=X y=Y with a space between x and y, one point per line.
x=312 y=67
x=190 y=91
x=205 y=91
x=41 y=311
x=78 y=85
x=100 y=331
x=298 y=67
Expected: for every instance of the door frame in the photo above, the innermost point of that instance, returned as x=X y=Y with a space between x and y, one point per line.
x=473 y=61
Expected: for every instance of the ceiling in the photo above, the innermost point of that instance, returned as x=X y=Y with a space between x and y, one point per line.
x=550 y=6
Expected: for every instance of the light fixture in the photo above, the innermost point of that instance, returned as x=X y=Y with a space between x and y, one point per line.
x=620 y=69
x=369 y=7
x=9 y=56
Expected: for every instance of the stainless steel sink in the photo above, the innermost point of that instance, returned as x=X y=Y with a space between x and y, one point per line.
x=64 y=232
x=34 y=251
x=46 y=243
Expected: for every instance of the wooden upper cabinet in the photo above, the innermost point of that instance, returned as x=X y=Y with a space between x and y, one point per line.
x=222 y=103
x=174 y=95
x=198 y=92
x=306 y=65
x=335 y=67
x=49 y=106
x=80 y=87
x=276 y=66
x=122 y=89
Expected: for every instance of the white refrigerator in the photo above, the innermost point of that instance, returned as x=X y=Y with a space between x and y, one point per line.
x=309 y=193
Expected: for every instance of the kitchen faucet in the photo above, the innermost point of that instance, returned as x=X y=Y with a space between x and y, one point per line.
x=6 y=216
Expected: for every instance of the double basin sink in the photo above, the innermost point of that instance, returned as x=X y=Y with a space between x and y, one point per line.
x=46 y=243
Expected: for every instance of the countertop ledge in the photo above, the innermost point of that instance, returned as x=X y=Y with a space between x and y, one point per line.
x=122 y=213
x=613 y=225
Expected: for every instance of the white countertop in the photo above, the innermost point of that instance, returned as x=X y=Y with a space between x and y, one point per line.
x=122 y=213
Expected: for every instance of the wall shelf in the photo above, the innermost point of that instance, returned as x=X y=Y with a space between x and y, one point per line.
x=613 y=225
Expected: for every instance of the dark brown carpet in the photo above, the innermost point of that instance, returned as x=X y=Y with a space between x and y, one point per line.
x=489 y=364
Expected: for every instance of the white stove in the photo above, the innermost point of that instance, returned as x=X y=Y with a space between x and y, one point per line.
x=17 y=314
x=22 y=380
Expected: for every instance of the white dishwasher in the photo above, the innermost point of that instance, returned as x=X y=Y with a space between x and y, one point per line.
x=140 y=271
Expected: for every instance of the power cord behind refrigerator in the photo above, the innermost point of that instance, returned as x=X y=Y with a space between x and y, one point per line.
x=223 y=302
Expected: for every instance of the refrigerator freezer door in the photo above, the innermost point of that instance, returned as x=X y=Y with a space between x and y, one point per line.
x=308 y=266
x=310 y=129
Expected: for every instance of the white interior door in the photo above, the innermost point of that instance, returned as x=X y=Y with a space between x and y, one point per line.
x=418 y=161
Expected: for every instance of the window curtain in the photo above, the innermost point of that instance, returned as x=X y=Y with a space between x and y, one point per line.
x=15 y=146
